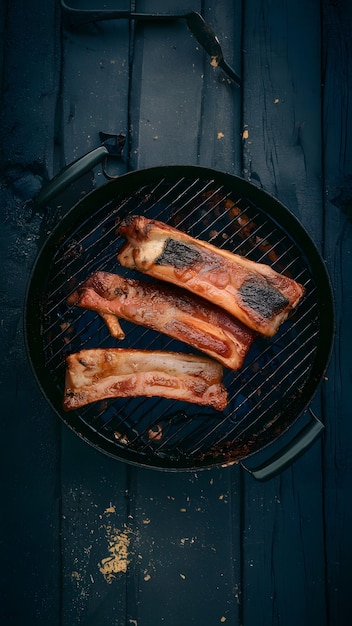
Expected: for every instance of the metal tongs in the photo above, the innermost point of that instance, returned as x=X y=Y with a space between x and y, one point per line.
x=195 y=22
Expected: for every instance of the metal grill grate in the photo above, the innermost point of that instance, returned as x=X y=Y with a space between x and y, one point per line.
x=275 y=371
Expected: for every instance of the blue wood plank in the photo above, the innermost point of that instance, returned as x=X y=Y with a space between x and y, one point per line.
x=95 y=533
x=283 y=531
x=188 y=564
x=338 y=246
x=95 y=91
x=220 y=141
x=86 y=538
x=30 y=512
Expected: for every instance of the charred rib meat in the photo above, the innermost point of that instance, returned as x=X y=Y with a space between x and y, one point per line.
x=169 y=310
x=253 y=292
x=99 y=374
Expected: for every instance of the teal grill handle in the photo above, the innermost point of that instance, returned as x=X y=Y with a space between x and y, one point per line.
x=292 y=451
x=69 y=174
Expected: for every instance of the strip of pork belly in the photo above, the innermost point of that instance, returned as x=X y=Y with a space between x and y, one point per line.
x=98 y=374
x=253 y=292
x=166 y=309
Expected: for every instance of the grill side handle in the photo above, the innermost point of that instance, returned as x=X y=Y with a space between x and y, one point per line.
x=111 y=146
x=69 y=174
x=290 y=452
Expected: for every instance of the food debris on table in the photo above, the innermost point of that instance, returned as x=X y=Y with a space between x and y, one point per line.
x=118 y=559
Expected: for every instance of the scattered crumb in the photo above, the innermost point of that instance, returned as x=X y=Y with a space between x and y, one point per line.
x=65 y=326
x=122 y=439
x=155 y=432
x=245 y=134
x=276 y=101
x=117 y=561
x=183 y=576
x=220 y=135
x=110 y=509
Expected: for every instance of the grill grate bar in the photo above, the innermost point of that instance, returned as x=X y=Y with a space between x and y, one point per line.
x=275 y=356
x=207 y=209
x=141 y=435
x=240 y=430
x=90 y=263
x=253 y=377
x=205 y=214
x=95 y=243
x=183 y=194
x=239 y=426
x=291 y=385
x=92 y=231
x=62 y=301
x=237 y=233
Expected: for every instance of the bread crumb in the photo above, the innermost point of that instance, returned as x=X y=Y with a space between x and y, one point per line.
x=110 y=509
x=117 y=561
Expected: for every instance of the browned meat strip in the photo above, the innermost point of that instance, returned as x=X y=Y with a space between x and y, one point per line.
x=98 y=374
x=253 y=292
x=169 y=310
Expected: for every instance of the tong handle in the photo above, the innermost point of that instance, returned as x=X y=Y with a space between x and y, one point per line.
x=289 y=453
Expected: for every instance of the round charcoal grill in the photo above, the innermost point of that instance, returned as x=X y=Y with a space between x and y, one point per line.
x=279 y=376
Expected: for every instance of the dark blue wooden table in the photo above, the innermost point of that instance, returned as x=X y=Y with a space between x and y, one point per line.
x=215 y=546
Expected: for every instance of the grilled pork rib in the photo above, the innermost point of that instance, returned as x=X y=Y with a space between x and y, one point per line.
x=98 y=374
x=166 y=309
x=253 y=292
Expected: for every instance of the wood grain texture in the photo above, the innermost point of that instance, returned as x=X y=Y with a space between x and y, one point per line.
x=337 y=101
x=87 y=539
x=29 y=454
x=95 y=533
x=165 y=111
x=186 y=563
x=220 y=133
x=187 y=525
x=282 y=152
x=95 y=87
